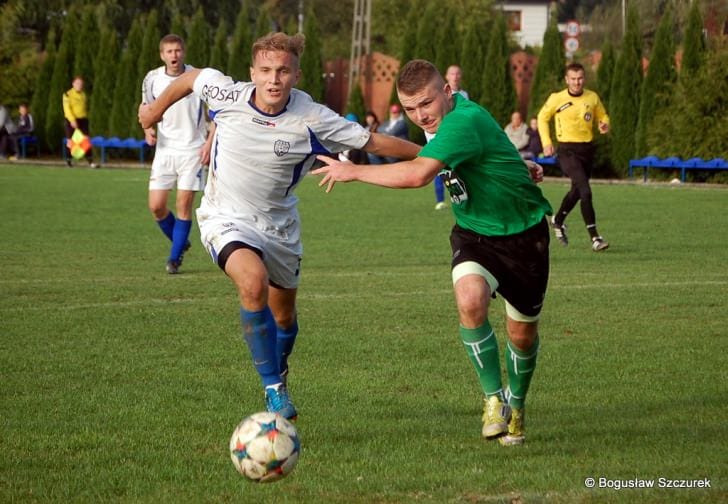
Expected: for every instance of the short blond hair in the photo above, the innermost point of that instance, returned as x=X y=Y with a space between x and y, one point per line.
x=171 y=38
x=279 y=41
x=416 y=75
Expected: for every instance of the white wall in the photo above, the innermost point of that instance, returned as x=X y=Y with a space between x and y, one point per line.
x=534 y=21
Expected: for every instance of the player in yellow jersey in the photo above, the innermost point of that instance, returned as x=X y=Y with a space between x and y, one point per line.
x=575 y=111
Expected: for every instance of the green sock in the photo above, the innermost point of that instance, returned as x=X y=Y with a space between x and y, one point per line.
x=482 y=348
x=521 y=365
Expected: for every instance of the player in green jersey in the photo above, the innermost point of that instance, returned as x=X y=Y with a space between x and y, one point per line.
x=500 y=241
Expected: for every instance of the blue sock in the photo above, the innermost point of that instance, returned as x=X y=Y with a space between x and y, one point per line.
x=439 y=190
x=259 y=332
x=167 y=225
x=286 y=338
x=180 y=237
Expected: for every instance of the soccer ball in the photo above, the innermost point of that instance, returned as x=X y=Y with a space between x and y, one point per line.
x=264 y=447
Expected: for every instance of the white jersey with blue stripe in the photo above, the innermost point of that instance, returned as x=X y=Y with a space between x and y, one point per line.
x=258 y=159
x=183 y=126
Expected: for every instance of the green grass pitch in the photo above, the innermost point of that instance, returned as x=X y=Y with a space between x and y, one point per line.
x=120 y=383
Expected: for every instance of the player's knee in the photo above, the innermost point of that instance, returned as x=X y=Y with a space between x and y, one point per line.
x=285 y=318
x=158 y=211
x=473 y=308
x=252 y=289
x=253 y=296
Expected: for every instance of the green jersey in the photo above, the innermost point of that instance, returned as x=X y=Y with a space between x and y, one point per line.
x=490 y=187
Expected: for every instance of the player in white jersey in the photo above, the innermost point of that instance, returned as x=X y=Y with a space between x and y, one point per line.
x=181 y=151
x=267 y=137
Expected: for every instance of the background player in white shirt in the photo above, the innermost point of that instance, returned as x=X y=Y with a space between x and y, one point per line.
x=267 y=137
x=181 y=150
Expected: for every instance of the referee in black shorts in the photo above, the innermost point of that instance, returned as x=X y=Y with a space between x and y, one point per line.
x=575 y=111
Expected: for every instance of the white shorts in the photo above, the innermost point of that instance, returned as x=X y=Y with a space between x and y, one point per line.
x=183 y=171
x=280 y=247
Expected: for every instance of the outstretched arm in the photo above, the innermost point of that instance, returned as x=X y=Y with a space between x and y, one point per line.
x=151 y=113
x=385 y=145
x=406 y=174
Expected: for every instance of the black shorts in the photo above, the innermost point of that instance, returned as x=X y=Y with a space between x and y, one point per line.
x=519 y=262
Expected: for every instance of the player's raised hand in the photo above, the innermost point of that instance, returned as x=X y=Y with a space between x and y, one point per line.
x=333 y=171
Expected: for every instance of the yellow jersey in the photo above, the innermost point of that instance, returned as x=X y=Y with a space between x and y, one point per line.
x=574 y=117
x=74 y=105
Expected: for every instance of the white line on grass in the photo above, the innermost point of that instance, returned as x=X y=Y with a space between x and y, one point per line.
x=348 y=295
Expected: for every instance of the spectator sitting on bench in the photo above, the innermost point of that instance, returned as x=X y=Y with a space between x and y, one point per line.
x=7 y=128
x=517 y=133
x=24 y=127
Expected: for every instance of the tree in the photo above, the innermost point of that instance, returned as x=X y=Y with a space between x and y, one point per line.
x=219 y=55
x=605 y=72
x=427 y=26
x=356 y=102
x=264 y=24
x=149 y=56
x=624 y=96
x=498 y=94
x=85 y=52
x=408 y=45
x=105 y=69
x=239 y=62
x=658 y=83
x=549 y=73
x=198 y=41
x=446 y=40
x=61 y=80
x=473 y=65
x=693 y=44
x=691 y=126
x=39 y=103
x=312 y=79
x=178 y=25
x=128 y=85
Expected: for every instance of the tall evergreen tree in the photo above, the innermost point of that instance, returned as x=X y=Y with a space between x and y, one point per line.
x=356 y=103
x=86 y=50
x=239 y=62
x=690 y=126
x=693 y=43
x=219 y=55
x=198 y=41
x=128 y=85
x=473 y=64
x=498 y=94
x=149 y=56
x=602 y=86
x=605 y=73
x=105 y=70
x=426 y=27
x=311 y=62
x=624 y=96
x=408 y=45
x=446 y=42
x=148 y=59
x=39 y=103
x=178 y=25
x=61 y=81
x=264 y=23
x=549 y=75
x=658 y=83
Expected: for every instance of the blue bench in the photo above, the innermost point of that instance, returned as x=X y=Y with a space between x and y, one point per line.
x=675 y=163
x=550 y=160
x=24 y=142
x=104 y=143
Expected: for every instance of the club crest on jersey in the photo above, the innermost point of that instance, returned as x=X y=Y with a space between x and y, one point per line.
x=587 y=116
x=281 y=148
